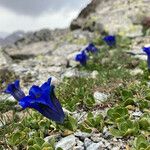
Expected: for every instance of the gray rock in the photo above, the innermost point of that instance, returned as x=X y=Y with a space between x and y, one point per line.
x=78 y=148
x=80 y=116
x=49 y=138
x=106 y=133
x=54 y=69
x=115 y=148
x=67 y=143
x=95 y=146
x=96 y=137
x=5 y=60
x=32 y=37
x=30 y=50
x=82 y=135
x=87 y=142
x=67 y=49
x=122 y=19
x=100 y=97
x=79 y=143
x=137 y=114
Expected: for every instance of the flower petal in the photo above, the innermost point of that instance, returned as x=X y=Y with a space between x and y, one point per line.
x=50 y=114
x=46 y=86
x=44 y=109
x=15 y=90
x=17 y=84
x=35 y=91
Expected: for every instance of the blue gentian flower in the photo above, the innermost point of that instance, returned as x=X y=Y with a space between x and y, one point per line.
x=91 y=48
x=15 y=90
x=146 y=49
x=82 y=58
x=43 y=99
x=110 y=40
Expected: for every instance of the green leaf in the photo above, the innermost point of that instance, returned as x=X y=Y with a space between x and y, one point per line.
x=148 y=148
x=18 y=137
x=141 y=142
x=31 y=141
x=36 y=146
x=116 y=132
x=129 y=101
x=47 y=148
x=130 y=132
x=39 y=141
x=70 y=123
x=126 y=94
x=148 y=96
x=144 y=123
x=123 y=127
x=117 y=112
x=89 y=102
x=143 y=104
x=73 y=123
x=85 y=128
x=31 y=148
x=46 y=144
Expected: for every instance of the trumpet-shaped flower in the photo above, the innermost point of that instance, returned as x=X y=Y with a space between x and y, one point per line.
x=91 y=48
x=146 y=49
x=15 y=90
x=82 y=58
x=110 y=40
x=43 y=99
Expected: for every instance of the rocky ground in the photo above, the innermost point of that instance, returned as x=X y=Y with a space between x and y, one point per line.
x=115 y=80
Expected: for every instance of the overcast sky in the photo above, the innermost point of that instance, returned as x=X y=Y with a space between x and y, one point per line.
x=30 y=15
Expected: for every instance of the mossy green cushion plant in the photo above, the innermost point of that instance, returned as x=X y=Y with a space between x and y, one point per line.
x=141 y=143
x=125 y=128
x=144 y=122
x=92 y=121
x=117 y=113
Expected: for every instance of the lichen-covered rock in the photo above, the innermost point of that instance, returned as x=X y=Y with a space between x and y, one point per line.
x=31 y=50
x=119 y=17
x=5 y=60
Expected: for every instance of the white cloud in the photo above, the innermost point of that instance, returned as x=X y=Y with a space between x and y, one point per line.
x=11 y=21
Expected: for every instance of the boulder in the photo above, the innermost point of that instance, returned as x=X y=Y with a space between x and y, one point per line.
x=125 y=18
x=5 y=60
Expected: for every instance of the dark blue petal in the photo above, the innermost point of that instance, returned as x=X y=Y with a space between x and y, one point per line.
x=17 y=84
x=15 y=90
x=9 y=88
x=50 y=114
x=44 y=109
x=46 y=86
x=146 y=50
x=35 y=91
x=82 y=58
x=91 y=48
x=55 y=101
x=110 y=40
x=25 y=102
